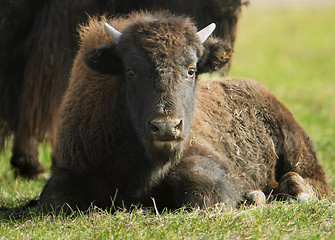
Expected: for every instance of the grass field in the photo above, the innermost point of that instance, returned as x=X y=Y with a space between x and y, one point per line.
x=292 y=52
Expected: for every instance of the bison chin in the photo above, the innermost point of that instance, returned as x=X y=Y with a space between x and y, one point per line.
x=165 y=152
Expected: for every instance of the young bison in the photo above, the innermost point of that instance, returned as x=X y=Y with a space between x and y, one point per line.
x=136 y=123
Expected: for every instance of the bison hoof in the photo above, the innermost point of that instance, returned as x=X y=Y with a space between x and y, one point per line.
x=27 y=167
x=304 y=197
x=256 y=197
x=293 y=185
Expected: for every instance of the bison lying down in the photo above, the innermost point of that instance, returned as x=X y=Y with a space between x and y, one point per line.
x=136 y=123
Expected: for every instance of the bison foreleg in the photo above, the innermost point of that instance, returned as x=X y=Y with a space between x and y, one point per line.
x=64 y=192
x=202 y=180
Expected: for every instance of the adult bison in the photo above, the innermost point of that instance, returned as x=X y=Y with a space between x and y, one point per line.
x=136 y=123
x=37 y=46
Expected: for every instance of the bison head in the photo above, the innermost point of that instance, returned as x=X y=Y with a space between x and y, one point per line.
x=158 y=60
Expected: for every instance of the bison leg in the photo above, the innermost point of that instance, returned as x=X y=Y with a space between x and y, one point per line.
x=256 y=197
x=24 y=160
x=200 y=180
x=64 y=192
x=293 y=185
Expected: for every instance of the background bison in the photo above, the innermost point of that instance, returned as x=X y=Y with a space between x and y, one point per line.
x=37 y=45
x=136 y=123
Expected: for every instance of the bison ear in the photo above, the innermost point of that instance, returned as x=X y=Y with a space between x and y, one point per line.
x=216 y=56
x=104 y=59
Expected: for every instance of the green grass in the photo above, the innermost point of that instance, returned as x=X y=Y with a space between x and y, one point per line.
x=276 y=221
x=290 y=52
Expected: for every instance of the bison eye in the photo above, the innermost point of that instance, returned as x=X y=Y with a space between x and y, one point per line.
x=130 y=74
x=191 y=72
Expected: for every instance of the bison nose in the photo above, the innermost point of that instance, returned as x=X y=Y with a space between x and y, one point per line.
x=166 y=130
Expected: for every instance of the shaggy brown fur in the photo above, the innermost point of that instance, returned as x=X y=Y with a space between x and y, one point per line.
x=115 y=146
x=37 y=46
x=254 y=138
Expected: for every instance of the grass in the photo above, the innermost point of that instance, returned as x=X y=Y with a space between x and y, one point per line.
x=290 y=52
x=276 y=221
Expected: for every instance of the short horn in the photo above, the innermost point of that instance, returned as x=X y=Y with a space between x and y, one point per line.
x=115 y=34
x=204 y=33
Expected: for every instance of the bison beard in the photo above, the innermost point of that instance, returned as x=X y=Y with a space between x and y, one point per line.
x=135 y=93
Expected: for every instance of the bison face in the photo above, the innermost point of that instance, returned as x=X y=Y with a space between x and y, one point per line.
x=159 y=98
x=157 y=61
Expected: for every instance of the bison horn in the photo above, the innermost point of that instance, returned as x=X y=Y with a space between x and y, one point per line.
x=204 y=33
x=115 y=34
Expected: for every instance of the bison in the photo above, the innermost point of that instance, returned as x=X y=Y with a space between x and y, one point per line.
x=137 y=123
x=37 y=46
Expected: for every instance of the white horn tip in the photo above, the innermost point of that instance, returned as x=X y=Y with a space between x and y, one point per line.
x=112 y=32
x=211 y=27
x=205 y=32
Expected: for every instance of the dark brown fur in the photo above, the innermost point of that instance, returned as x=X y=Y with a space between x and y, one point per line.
x=37 y=45
x=234 y=137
